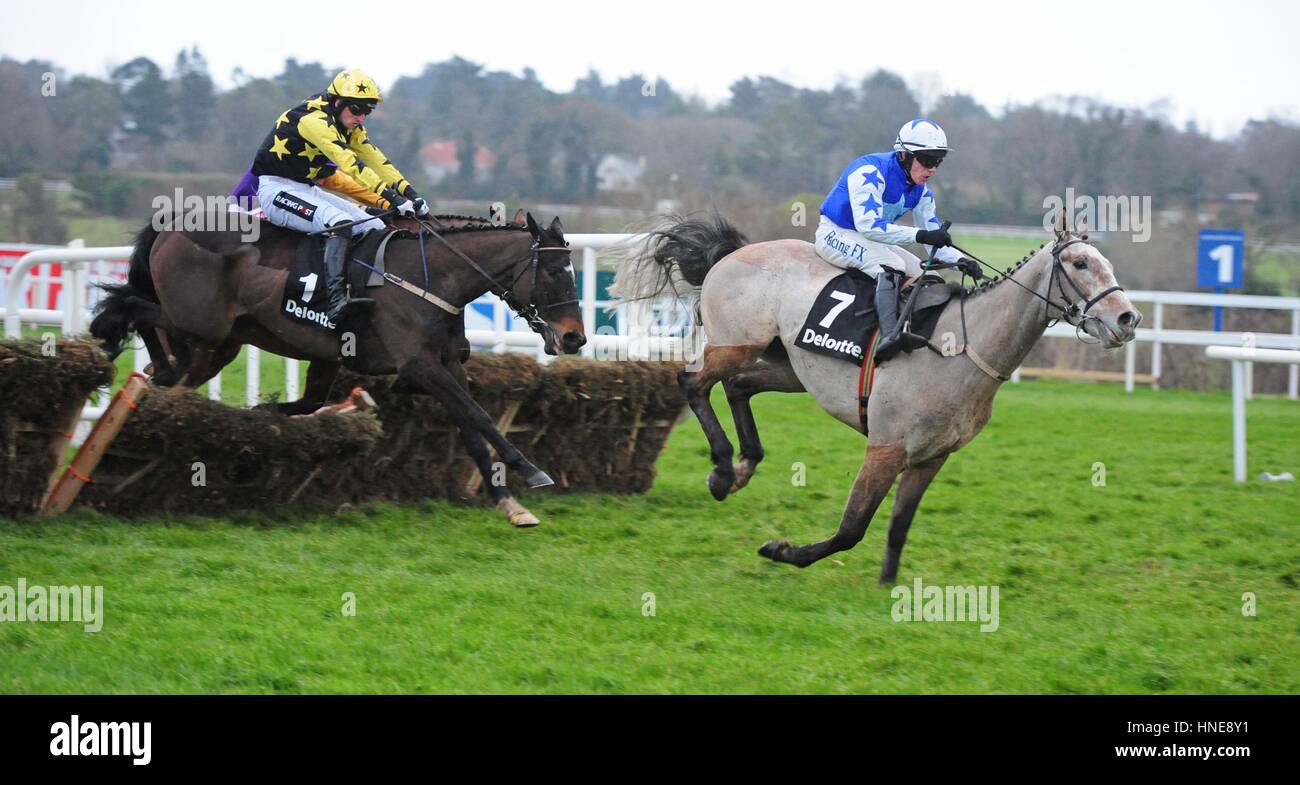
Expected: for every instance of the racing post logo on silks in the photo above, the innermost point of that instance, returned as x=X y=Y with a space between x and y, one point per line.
x=299 y=207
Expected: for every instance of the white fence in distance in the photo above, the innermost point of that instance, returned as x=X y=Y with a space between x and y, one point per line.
x=635 y=329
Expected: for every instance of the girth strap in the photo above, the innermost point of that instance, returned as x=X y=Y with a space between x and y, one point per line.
x=969 y=351
x=413 y=289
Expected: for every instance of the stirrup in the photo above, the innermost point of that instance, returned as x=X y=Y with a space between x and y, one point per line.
x=902 y=341
x=351 y=306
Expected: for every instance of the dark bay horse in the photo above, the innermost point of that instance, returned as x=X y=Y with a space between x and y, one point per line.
x=170 y=354
x=753 y=300
x=218 y=293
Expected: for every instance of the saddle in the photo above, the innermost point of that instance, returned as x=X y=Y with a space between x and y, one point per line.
x=842 y=320
x=306 y=296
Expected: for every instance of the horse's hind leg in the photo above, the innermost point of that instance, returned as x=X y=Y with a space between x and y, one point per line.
x=874 y=480
x=719 y=363
x=765 y=377
x=910 y=490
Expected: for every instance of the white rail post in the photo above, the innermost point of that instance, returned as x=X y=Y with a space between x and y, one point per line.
x=1130 y=363
x=1155 y=346
x=1293 y=380
x=139 y=354
x=1249 y=372
x=1238 y=422
x=251 y=382
x=74 y=293
x=290 y=379
x=1240 y=358
x=589 y=299
x=499 y=325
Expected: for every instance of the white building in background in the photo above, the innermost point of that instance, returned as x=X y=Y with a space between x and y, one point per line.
x=616 y=173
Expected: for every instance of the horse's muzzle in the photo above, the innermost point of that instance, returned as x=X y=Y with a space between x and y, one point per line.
x=573 y=341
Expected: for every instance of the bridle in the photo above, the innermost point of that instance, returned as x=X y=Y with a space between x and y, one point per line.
x=1074 y=313
x=529 y=311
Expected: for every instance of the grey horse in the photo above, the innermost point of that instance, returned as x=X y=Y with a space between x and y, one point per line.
x=753 y=299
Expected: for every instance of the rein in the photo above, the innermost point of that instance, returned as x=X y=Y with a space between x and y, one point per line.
x=1073 y=313
x=528 y=311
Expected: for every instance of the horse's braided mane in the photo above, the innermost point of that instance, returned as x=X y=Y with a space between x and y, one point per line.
x=1010 y=271
x=483 y=228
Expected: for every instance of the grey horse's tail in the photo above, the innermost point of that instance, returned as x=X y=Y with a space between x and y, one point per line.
x=115 y=314
x=684 y=250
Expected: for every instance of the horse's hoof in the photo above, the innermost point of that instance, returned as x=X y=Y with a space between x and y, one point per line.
x=517 y=514
x=720 y=486
x=772 y=548
x=524 y=520
x=539 y=479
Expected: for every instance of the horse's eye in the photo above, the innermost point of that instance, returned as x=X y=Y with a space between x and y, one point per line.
x=1079 y=265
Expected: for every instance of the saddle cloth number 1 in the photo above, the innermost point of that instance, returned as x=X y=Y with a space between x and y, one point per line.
x=309 y=287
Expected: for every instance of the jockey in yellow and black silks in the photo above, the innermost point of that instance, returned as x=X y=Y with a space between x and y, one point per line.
x=310 y=141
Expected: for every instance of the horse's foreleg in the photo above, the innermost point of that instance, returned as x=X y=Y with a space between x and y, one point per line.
x=869 y=489
x=433 y=378
x=719 y=362
x=477 y=448
x=740 y=388
x=910 y=490
x=207 y=363
x=320 y=378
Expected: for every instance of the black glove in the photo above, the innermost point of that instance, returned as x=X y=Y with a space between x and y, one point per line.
x=970 y=267
x=399 y=202
x=421 y=206
x=936 y=237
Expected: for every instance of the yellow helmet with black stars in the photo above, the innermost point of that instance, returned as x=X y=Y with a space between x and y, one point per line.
x=355 y=83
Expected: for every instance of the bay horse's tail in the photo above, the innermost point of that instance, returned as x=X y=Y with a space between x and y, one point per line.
x=116 y=314
x=683 y=251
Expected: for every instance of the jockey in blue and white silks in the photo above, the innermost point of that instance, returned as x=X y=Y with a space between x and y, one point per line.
x=858 y=228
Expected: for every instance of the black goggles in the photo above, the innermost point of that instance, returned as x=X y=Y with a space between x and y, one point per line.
x=360 y=108
x=929 y=160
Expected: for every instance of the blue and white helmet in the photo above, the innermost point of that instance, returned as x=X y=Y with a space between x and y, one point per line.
x=921 y=136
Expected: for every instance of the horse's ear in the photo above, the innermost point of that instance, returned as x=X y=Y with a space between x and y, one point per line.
x=532 y=225
x=1081 y=228
x=1060 y=226
x=520 y=216
x=556 y=228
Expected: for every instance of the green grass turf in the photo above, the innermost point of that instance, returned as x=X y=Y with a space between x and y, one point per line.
x=1131 y=587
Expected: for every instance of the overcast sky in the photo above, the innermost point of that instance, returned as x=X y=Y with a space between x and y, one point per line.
x=1219 y=63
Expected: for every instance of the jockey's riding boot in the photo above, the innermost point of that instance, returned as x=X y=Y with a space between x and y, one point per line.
x=887 y=314
x=336 y=279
